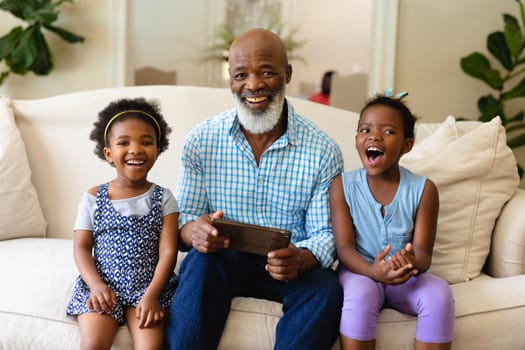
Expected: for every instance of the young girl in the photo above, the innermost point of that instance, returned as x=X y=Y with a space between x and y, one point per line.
x=125 y=243
x=384 y=221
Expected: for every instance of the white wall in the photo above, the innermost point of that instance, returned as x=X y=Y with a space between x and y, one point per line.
x=87 y=65
x=338 y=34
x=172 y=35
x=432 y=38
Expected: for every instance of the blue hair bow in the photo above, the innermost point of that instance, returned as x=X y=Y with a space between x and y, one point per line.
x=390 y=93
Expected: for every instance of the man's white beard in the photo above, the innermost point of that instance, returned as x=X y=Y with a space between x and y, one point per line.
x=260 y=122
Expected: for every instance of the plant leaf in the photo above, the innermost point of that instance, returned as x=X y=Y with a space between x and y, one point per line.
x=32 y=11
x=8 y=42
x=478 y=66
x=514 y=126
x=26 y=49
x=497 y=46
x=513 y=36
x=516 y=91
x=490 y=107
x=3 y=75
x=276 y=26
x=23 y=53
x=43 y=61
x=521 y=61
x=516 y=141
x=65 y=34
x=522 y=12
x=46 y=16
x=517 y=118
x=225 y=34
x=16 y=7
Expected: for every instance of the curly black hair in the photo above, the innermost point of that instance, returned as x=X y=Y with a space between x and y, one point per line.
x=150 y=107
x=409 y=119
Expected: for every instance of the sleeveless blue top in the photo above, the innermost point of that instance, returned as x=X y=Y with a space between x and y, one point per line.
x=373 y=231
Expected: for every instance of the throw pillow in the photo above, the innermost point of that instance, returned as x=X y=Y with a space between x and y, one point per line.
x=20 y=212
x=441 y=137
x=475 y=174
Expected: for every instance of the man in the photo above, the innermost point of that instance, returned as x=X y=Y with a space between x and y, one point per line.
x=259 y=163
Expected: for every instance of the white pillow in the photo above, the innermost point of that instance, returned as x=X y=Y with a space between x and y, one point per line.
x=20 y=212
x=430 y=146
x=476 y=174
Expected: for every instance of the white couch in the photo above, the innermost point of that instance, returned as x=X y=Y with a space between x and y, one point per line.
x=37 y=272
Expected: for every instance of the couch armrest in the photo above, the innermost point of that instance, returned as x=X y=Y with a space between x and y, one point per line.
x=507 y=253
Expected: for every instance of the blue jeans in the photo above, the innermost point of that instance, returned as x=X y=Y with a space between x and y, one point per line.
x=208 y=282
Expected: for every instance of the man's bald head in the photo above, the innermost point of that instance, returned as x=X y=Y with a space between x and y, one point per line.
x=259 y=40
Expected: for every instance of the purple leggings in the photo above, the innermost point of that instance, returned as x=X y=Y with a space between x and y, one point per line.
x=425 y=295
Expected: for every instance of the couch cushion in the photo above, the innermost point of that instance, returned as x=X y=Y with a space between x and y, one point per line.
x=507 y=253
x=475 y=174
x=38 y=276
x=20 y=212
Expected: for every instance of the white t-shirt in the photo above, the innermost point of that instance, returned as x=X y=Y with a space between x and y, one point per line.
x=134 y=206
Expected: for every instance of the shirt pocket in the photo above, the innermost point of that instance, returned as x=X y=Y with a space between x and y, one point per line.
x=290 y=197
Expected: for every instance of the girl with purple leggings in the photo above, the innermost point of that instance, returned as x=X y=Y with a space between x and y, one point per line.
x=384 y=220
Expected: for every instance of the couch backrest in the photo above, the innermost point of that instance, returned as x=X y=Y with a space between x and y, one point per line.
x=56 y=135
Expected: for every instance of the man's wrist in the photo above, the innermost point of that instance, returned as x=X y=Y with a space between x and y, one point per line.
x=308 y=261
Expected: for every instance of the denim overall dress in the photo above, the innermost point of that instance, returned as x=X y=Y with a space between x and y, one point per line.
x=126 y=253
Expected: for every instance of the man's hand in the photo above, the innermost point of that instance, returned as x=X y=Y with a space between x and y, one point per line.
x=287 y=264
x=204 y=236
x=284 y=264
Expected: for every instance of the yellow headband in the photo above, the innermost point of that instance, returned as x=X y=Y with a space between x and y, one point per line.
x=129 y=111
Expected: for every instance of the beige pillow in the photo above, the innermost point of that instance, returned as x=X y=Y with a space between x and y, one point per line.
x=475 y=174
x=20 y=212
x=441 y=137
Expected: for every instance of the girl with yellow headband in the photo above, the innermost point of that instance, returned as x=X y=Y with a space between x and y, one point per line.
x=125 y=243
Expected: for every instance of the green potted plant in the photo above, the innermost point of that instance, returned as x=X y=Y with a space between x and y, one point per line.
x=508 y=48
x=225 y=34
x=26 y=49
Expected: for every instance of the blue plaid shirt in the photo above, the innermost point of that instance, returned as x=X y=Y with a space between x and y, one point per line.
x=287 y=189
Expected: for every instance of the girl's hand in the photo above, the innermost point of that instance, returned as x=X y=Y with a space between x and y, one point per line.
x=101 y=299
x=403 y=258
x=383 y=271
x=148 y=312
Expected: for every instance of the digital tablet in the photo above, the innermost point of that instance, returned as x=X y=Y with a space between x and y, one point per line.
x=253 y=239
